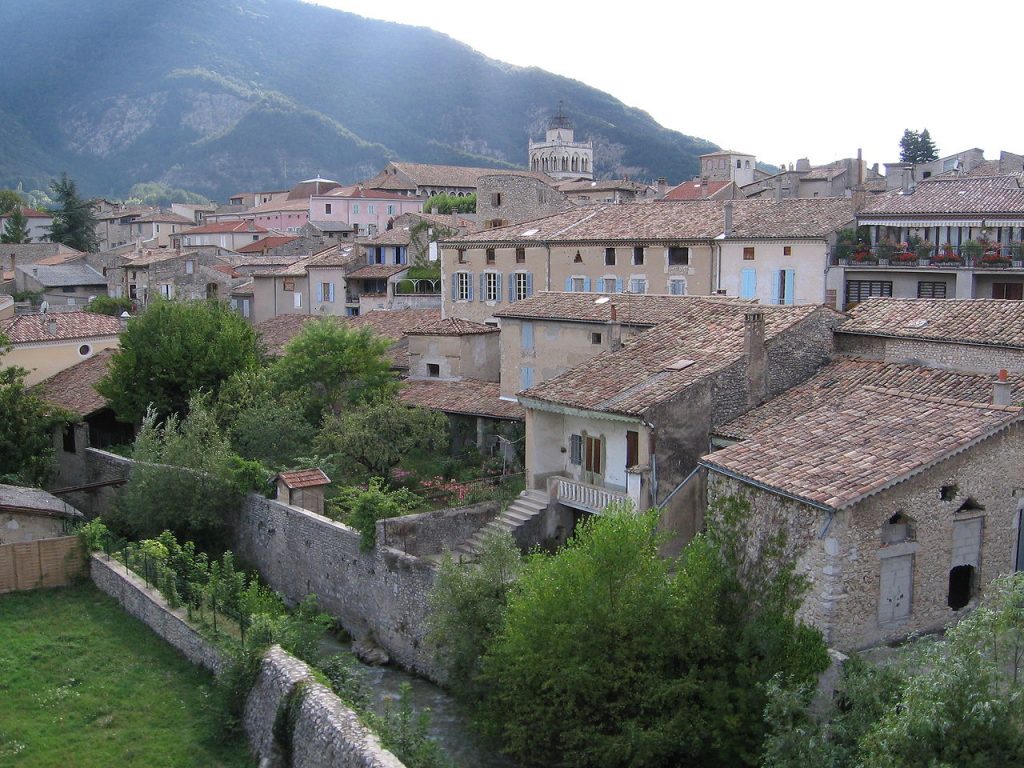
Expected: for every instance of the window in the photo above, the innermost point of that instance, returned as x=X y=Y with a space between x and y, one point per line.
x=71 y=301
x=577 y=284
x=298 y=300
x=68 y=438
x=638 y=285
x=678 y=256
x=167 y=291
x=190 y=267
x=495 y=199
x=858 y=290
x=391 y=210
x=638 y=255
x=84 y=350
x=748 y=283
x=787 y=250
x=526 y=336
x=490 y=255
x=520 y=285
x=609 y=284
x=371 y=209
x=783 y=286
x=375 y=255
x=677 y=287
x=738 y=164
x=609 y=257
x=67 y=289
x=927 y=289
x=462 y=255
x=355 y=209
x=520 y=255
x=327 y=209
x=325 y=293
x=576 y=449
x=133 y=292
x=526 y=377
x=462 y=286
x=433 y=370
x=592 y=455
x=632 y=448
x=595 y=338
x=288 y=284
x=490 y=286
x=1008 y=291
x=748 y=253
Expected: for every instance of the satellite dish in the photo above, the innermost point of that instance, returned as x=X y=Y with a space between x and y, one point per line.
x=602 y=300
x=44 y=307
x=125 y=315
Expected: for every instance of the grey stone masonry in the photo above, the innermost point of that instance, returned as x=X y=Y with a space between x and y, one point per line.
x=434 y=532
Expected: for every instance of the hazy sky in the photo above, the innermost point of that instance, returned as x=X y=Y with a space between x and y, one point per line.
x=780 y=80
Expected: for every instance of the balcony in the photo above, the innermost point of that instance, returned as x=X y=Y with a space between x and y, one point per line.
x=973 y=257
x=589 y=498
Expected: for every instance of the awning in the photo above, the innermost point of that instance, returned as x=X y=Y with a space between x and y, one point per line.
x=915 y=223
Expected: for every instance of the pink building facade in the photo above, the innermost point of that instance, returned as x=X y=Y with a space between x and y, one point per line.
x=369 y=211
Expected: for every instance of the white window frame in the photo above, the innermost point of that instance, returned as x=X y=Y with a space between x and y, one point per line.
x=522 y=286
x=190 y=267
x=492 y=286
x=463 y=283
x=297 y=300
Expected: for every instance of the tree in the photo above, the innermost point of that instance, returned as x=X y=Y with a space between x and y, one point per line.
x=917 y=147
x=329 y=365
x=605 y=658
x=10 y=201
x=363 y=507
x=26 y=429
x=74 y=221
x=173 y=350
x=16 y=228
x=186 y=479
x=371 y=438
x=109 y=305
x=450 y=203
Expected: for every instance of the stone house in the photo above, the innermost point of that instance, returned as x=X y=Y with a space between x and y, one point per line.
x=62 y=286
x=13 y=255
x=632 y=422
x=969 y=230
x=424 y=180
x=114 y=223
x=510 y=198
x=29 y=514
x=145 y=276
x=47 y=343
x=314 y=285
x=37 y=223
x=154 y=230
x=899 y=502
x=227 y=234
x=366 y=211
x=588 y=192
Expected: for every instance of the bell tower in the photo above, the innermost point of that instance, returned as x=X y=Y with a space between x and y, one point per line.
x=559 y=155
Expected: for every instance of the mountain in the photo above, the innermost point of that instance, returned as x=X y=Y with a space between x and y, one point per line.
x=221 y=96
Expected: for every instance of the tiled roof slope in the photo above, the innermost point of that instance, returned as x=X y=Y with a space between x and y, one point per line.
x=227 y=227
x=676 y=221
x=16 y=497
x=836 y=381
x=267 y=243
x=73 y=389
x=63 y=275
x=470 y=397
x=304 y=478
x=638 y=376
x=835 y=456
x=995 y=322
x=278 y=331
x=426 y=175
x=986 y=194
x=394 y=324
x=376 y=271
x=26 y=329
x=452 y=326
x=692 y=190
x=398 y=236
x=645 y=309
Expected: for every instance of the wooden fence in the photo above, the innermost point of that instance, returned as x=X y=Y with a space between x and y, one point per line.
x=42 y=563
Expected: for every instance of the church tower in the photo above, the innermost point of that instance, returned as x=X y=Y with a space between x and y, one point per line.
x=560 y=155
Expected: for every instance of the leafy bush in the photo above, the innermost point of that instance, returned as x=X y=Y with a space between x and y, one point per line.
x=109 y=305
x=363 y=507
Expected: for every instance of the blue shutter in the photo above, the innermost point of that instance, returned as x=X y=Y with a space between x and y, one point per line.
x=776 y=284
x=790 y=285
x=576 y=449
x=483 y=286
x=748 y=284
x=369 y=256
x=526 y=377
x=455 y=286
x=529 y=283
x=512 y=287
x=618 y=285
x=330 y=290
x=600 y=285
x=586 y=285
x=568 y=284
x=469 y=286
x=320 y=293
x=497 y=286
x=527 y=335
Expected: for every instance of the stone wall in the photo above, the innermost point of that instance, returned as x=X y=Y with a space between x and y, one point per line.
x=92 y=465
x=327 y=733
x=935 y=354
x=381 y=594
x=431 y=533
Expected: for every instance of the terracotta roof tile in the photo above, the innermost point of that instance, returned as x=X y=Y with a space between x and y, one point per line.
x=27 y=329
x=639 y=375
x=945 y=196
x=630 y=309
x=470 y=397
x=304 y=478
x=227 y=227
x=376 y=271
x=836 y=381
x=452 y=326
x=693 y=190
x=65 y=274
x=267 y=243
x=396 y=236
x=834 y=455
x=73 y=389
x=995 y=322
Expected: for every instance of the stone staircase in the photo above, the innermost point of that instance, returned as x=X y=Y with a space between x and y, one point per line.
x=526 y=506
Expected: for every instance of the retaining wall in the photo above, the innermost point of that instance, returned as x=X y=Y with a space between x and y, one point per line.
x=431 y=533
x=327 y=733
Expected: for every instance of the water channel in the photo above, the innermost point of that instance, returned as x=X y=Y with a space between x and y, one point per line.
x=448 y=726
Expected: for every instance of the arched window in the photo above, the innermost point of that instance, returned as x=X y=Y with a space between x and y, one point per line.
x=575 y=162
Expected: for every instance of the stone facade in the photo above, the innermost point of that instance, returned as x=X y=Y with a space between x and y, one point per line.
x=432 y=533
x=874 y=581
x=470 y=356
x=959 y=356
x=508 y=198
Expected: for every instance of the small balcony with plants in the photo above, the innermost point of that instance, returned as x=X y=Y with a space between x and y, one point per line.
x=973 y=254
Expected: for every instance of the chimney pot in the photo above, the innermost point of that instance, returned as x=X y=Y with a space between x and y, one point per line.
x=727 y=214
x=614 y=330
x=1002 y=389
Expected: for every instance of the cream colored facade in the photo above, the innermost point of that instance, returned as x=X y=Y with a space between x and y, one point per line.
x=774 y=271
x=682 y=268
x=275 y=295
x=44 y=359
x=470 y=356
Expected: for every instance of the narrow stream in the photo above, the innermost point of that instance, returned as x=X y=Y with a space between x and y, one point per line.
x=447 y=725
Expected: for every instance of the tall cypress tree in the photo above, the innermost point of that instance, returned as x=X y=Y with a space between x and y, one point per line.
x=926 y=150
x=908 y=146
x=74 y=223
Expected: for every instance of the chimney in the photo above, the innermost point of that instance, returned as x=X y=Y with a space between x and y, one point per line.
x=35 y=271
x=662 y=184
x=614 y=330
x=433 y=209
x=727 y=213
x=778 y=189
x=51 y=326
x=908 y=180
x=860 y=167
x=803 y=164
x=754 y=350
x=1001 y=394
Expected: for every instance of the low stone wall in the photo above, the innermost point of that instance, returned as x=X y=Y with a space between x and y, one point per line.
x=93 y=466
x=431 y=533
x=327 y=734
x=149 y=607
x=381 y=594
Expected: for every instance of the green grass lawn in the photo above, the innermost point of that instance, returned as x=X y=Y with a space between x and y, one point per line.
x=84 y=684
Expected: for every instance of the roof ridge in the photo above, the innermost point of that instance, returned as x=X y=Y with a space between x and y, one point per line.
x=937 y=399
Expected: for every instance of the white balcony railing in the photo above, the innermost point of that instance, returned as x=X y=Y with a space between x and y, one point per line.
x=590 y=498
